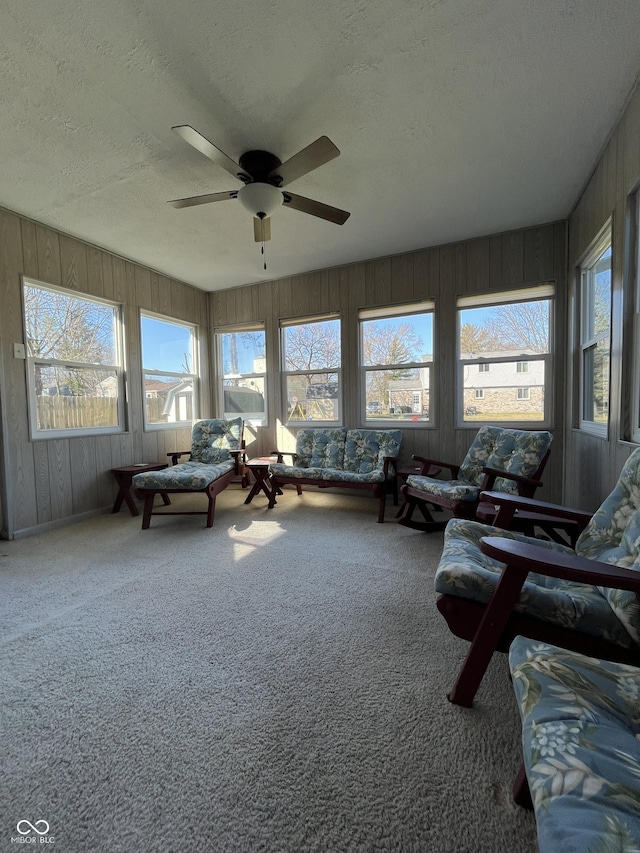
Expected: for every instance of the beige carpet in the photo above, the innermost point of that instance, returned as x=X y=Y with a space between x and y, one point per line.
x=276 y=683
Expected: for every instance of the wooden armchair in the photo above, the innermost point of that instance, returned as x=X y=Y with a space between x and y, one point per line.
x=494 y=584
x=505 y=460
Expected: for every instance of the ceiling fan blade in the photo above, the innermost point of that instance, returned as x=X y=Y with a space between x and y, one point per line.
x=314 y=155
x=203 y=199
x=316 y=208
x=261 y=229
x=202 y=144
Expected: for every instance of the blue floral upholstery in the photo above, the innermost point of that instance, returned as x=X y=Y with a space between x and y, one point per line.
x=355 y=458
x=213 y=461
x=581 y=744
x=349 y=456
x=212 y=441
x=612 y=536
x=186 y=476
x=513 y=450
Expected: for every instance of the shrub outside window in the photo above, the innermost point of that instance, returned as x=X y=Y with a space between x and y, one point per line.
x=242 y=373
x=311 y=369
x=396 y=358
x=74 y=362
x=495 y=331
x=595 y=335
x=169 y=377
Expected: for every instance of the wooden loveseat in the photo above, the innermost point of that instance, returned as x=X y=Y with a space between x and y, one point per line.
x=364 y=459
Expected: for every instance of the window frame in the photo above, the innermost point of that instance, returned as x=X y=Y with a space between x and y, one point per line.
x=288 y=323
x=396 y=311
x=250 y=376
x=194 y=375
x=37 y=434
x=632 y=277
x=544 y=291
x=585 y=343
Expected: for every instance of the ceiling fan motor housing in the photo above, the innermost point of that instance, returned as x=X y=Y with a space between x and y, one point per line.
x=259 y=164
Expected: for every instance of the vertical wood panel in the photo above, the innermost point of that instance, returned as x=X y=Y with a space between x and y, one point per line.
x=48 y=255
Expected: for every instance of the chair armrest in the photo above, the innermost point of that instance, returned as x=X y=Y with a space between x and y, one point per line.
x=176 y=455
x=238 y=456
x=513 y=502
x=558 y=564
x=281 y=453
x=427 y=463
x=390 y=462
x=526 y=486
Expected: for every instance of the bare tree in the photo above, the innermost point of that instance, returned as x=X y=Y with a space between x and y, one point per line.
x=521 y=327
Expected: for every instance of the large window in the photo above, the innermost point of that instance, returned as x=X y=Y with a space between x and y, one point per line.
x=242 y=373
x=169 y=372
x=495 y=333
x=311 y=366
x=633 y=278
x=396 y=358
x=595 y=335
x=74 y=362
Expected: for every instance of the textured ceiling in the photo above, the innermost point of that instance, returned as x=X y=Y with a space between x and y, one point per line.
x=455 y=118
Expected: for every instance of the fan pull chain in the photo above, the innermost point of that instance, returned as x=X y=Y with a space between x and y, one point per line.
x=263 y=249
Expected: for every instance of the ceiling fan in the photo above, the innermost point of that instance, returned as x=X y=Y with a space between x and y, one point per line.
x=264 y=176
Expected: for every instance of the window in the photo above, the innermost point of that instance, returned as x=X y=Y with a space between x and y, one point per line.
x=595 y=334
x=74 y=362
x=169 y=377
x=396 y=362
x=633 y=277
x=311 y=368
x=242 y=373
x=495 y=331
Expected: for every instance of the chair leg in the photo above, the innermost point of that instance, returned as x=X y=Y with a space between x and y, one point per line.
x=521 y=792
x=148 y=508
x=382 y=504
x=405 y=513
x=485 y=641
x=211 y=510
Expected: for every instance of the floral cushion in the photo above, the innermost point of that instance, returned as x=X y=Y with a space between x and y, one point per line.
x=188 y=475
x=280 y=469
x=613 y=536
x=365 y=449
x=320 y=448
x=213 y=438
x=376 y=476
x=454 y=490
x=464 y=571
x=517 y=451
x=581 y=743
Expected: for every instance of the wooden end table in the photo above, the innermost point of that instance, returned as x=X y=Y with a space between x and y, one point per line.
x=124 y=475
x=259 y=467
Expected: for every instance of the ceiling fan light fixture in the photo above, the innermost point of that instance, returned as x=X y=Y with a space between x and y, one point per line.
x=260 y=199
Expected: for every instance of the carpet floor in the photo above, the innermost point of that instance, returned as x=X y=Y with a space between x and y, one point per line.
x=277 y=683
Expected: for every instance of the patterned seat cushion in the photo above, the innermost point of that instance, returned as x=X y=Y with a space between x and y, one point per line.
x=517 y=451
x=365 y=449
x=320 y=448
x=334 y=474
x=280 y=469
x=188 y=475
x=581 y=744
x=213 y=438
x=464 y=571
x=454 y=490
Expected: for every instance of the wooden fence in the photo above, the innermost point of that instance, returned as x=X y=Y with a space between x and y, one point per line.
x=76 y=412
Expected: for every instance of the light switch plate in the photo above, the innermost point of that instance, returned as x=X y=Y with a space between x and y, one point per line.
x=18 y=351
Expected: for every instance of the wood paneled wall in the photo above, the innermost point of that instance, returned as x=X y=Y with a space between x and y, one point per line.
x=592 y=464
x=48 y=481
x=442 y=273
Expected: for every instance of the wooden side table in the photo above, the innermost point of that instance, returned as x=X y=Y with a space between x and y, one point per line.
x=259 y=467
x=124 y=476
